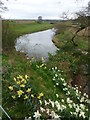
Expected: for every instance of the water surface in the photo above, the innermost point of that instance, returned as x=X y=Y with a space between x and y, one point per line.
x=37 y=44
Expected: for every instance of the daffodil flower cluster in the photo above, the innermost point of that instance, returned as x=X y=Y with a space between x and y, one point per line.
x=22 y=89
x=76 y=102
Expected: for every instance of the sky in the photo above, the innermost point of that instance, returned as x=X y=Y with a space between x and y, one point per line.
x=48 y=9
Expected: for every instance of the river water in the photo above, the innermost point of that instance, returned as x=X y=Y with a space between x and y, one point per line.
x=37 y=44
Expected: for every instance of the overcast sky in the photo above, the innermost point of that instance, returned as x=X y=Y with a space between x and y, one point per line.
x=48 y=9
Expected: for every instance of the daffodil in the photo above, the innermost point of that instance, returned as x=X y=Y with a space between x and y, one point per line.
x=41 y=94
x=39 y=97
x=13 y=97
x=37 y=114
x=29 y=90
x=32 y=95
x=26 y=97
x=14 y=79
x=18 y=82
x=68 y=100
x=20 y=77
x=20 y=92
x=22 y=85
x=25 y=81
x=26 y=76
x=11 y=88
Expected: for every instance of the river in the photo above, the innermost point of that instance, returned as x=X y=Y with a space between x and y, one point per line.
x=37 y=44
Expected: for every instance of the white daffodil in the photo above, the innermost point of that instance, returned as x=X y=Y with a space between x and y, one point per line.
x=76 y=91
x=57 y=105
x=68 y=100
x=82 y=106
x=52 y=68
x=82 y=114
x=40 y=102
x=46 y=103
x=57 y=84
x=75 y=113
x=62 y=100
x=71 y=113
x=37 y=114
x=64 y=84
x=70 y=105
x=56 y=117
x=42 y=109
x=48 y=111
x=82 y=99
x=77 y=109
x=53 y=79
x=57 y=95
x=55 y=68
x=62 y=79
x=52 y=103
x=52 y=114
x=63 y=106
x=65 y=89
x=56 y=75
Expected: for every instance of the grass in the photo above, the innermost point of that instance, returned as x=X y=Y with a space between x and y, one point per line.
x=67 y=60
x=12 y=30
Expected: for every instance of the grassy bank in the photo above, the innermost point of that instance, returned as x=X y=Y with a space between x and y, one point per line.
x=70 y=57
x=43 y=85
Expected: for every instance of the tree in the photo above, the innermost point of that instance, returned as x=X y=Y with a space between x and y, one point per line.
x=2 y=7
x=82 y=20
x=40 y=19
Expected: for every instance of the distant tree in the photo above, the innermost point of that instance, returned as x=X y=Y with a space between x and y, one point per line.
x=40 y=19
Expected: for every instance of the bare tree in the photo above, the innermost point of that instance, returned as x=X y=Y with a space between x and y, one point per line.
x=2 y=7
x=82 y=20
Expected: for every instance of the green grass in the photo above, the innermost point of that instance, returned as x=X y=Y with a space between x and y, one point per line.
x=12 y=30
x=40 y=81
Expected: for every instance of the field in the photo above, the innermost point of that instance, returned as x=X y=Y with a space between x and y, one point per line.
x=48 y=90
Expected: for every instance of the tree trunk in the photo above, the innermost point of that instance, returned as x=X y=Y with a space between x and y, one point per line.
x=75 y=35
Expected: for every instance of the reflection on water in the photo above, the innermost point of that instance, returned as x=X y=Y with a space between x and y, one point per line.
x=37 y=44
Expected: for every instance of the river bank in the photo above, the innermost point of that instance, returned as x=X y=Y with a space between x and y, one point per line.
x=44 y=82
x=80 y=78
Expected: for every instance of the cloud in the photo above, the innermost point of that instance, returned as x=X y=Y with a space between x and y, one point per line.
x=48 y=9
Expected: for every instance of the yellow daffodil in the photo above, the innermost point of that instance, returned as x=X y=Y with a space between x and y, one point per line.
x=13 y=97
x=32 y=95
x=18 y=82
x=26 y=97
x=41 y=94
x=26 y=76
x=22 y=80
x=20 y=77
x=29 y=90
x=11 y=88
x=20 y=92
x=25 y=81
x=14 y=79
x=39 y=97
x=22 y=85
